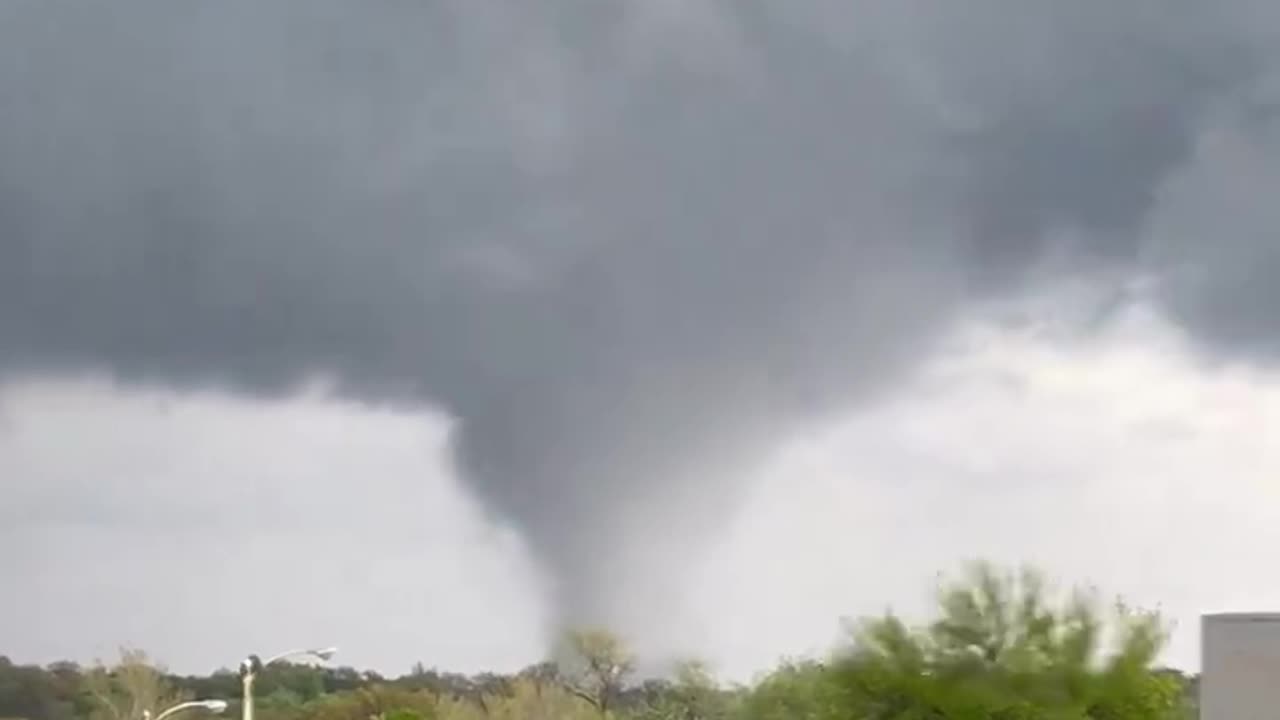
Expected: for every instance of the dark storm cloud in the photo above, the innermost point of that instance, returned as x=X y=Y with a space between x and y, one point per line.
x=619 y=241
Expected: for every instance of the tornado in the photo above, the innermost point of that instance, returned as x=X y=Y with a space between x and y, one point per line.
x=625 y=245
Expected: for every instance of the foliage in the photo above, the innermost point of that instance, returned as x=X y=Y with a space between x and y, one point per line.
x=794 y=691
x=131 y=689
x=692 y=694
x=1001 y=647
x=595 y=665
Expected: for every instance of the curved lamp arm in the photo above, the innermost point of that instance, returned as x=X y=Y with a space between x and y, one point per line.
x=320 y=654
x=213 y=706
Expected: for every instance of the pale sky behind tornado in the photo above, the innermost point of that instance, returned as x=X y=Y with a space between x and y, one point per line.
x=426 y=329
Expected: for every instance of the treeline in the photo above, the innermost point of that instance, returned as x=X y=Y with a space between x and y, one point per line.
x=1002 y=647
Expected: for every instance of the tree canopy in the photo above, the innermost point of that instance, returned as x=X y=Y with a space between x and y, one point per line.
x=1001 y=646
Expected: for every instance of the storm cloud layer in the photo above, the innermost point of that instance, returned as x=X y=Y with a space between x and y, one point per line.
x=621 y=242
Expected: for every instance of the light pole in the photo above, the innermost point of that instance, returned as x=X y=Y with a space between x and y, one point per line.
x=252 y=665
x=213 y=706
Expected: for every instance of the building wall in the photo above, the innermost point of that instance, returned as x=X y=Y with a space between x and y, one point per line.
x=1240 y=666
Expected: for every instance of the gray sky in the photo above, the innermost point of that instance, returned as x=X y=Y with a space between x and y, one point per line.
x=570 y=274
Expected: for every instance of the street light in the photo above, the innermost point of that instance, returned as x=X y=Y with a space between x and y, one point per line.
x=322 y=655
x=252 y=665
x=213 y=706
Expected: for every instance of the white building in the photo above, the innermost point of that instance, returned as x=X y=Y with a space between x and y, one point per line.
x=1240 y=666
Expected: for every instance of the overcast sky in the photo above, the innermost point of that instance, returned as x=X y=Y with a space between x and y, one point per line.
x=428 y=329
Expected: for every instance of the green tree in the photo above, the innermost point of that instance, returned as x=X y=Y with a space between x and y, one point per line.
x=35 y=693
x=794 y=691
x=375 y=702
x=693 y=693
x=1000 y=647
x=1002 y=650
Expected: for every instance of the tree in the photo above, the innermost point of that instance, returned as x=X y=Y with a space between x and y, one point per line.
x=528 y=699
x=1001 y=650
x=595 y=665
x=692 y=694
x=29 y=691
x=290 y=683
x=375 y=702
x=794 y=691
x=1001 y=646
x=130 y=689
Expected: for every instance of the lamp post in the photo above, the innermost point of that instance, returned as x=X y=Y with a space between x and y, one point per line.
x=252 y=665
x=213 y=706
